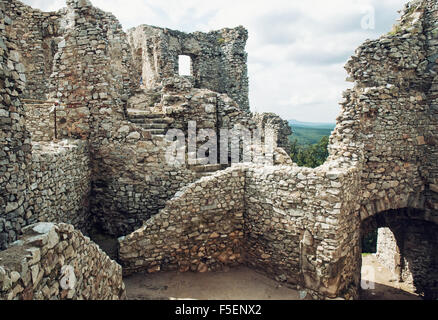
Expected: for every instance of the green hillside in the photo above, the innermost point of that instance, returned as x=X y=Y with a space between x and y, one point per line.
x=308 y=135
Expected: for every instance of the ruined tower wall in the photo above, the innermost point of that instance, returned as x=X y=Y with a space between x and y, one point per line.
x=91 y=70
x=387 y=124
x=40 y=122
x=36 y=35
x=386 y=121
x=430 y=169
x=281 y=128
x=218 y=58
x=59 y=183
x=15 y=153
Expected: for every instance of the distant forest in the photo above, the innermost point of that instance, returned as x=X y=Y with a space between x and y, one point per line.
x=309 y=143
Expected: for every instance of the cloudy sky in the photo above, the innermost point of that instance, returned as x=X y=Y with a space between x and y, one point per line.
x=296 y=48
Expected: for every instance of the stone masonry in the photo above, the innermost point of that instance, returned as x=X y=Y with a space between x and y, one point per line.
x=304 y=226
x=102 y=162
x=218 y=58
x=54 y=262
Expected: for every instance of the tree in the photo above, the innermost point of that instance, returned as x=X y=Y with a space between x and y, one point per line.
x=311 y=156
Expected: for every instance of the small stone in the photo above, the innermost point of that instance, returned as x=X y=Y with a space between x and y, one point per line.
x=202 y=268
x=124 y=129
x=133 y=136
x=15 y=276
x=421 y=141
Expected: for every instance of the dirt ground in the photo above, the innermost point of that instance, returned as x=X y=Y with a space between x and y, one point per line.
x=237 y=284
x=245 y=284
x=385 y=283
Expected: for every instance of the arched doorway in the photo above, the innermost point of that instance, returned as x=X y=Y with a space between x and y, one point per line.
x=407 y=246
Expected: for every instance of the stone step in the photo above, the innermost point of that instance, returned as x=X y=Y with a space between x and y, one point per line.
x=143 y=116
x=165 y=121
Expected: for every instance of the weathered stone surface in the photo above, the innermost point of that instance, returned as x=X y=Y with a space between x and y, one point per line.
x=301 y=226
x=96 y=277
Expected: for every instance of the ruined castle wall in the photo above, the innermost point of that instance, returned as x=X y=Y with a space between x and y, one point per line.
x=218 y=58
x=91 y=69
x=56 y=262
x=297 y=230
x=386 y=124
x=60 y=183
x=136 y=182
x=136 y=179
x=430 y=168
x=286 y=221
x=389 y=102
x=279 y=126
x=40 y=122
x=200 y=229
x=36 y=35
x=15 y=152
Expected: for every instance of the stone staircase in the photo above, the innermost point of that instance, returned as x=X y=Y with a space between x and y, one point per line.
x=156 y=124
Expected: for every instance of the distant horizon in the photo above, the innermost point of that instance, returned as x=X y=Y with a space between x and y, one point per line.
x=311 y=122
x=296 y=49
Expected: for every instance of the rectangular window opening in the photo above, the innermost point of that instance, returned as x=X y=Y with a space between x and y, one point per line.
x=184 y=65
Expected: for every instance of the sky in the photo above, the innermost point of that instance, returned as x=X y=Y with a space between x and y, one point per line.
x=297 y=49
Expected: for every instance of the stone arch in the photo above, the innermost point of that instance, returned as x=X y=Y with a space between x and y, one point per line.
x=413 y=246
x=388 y=202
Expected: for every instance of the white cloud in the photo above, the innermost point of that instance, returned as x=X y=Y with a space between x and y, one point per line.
x=296 y=48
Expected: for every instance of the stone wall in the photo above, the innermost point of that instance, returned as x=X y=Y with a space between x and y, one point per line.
x=40 y=121
x=36 y=35
x=15 y=152
x=280 y=127
x=388 y=253
x=135 y=179
x=297 y=224
x=379 y=160
x=386 y=121
x=56 y=262
x=91 y=70
x=390 y=101
x=200 y=229
x=135 y=182
x=257 y=216
x=301 y=226
x=59 y=183
x=218 y=58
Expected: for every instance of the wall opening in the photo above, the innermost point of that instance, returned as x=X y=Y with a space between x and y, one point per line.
x=185 y=65
x=399 y=256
